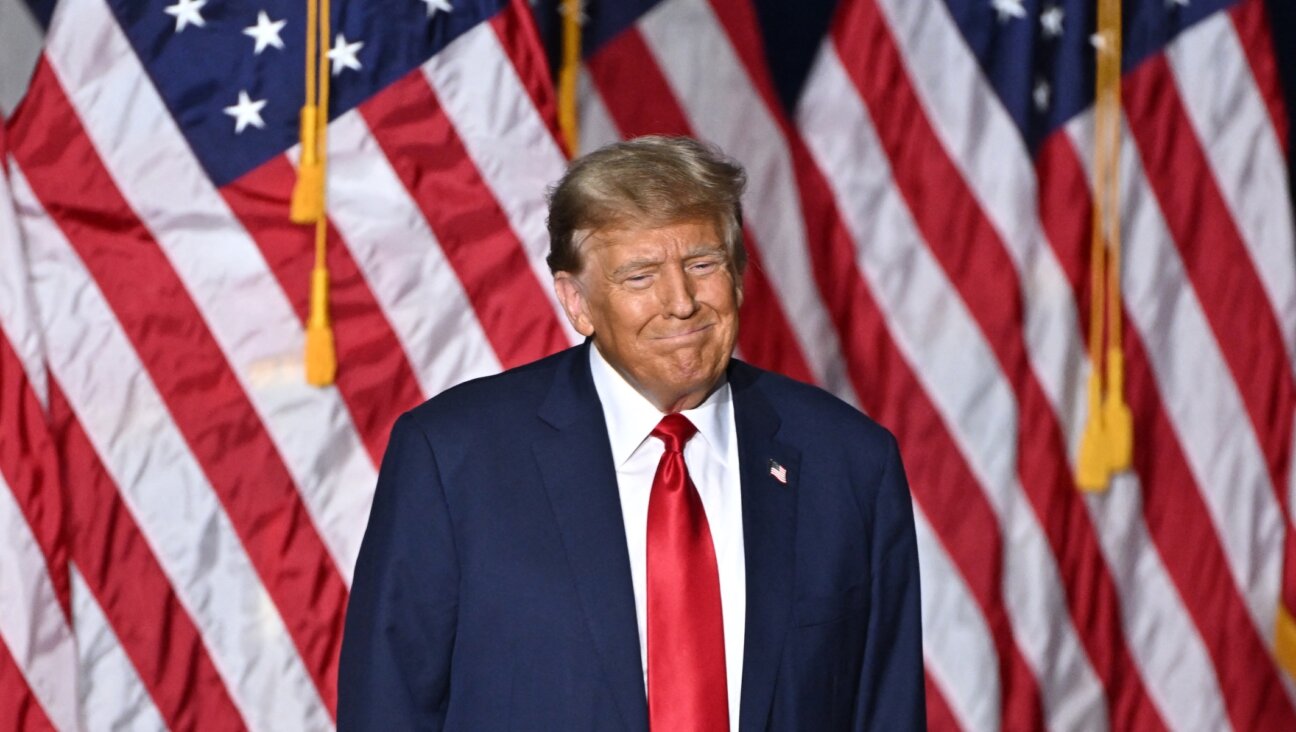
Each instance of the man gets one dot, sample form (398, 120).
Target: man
(639, 531)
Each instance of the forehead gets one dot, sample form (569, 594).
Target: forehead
(673, 239)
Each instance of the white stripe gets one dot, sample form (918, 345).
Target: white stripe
(596, 126)
(971, 394)
(20, 43)
(507, 140)
(400, 257)
(1173, 659)
(957, 649)
(242, 303)
(163, 486)
(684, 37)
(112, 695)
(1219, 92)
(992, 158)
(32, 625)
(1197, 391)
(17, 321)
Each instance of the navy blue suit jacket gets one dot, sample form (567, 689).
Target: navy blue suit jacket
(493, 589)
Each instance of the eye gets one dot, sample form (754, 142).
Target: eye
(638, 281)
(704, 266)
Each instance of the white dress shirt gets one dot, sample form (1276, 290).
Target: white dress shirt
(712, 459)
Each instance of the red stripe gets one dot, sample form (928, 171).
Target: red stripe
(374, 377)
(1251, 21)
(636, 92)
(200, 389)
(974, 258)
(940, 718)
(515, 27)
(1221, 271)
(17, 702)
(1176, 516)
(641, 103)
(29, 465)
(425, 151)
(121, 572)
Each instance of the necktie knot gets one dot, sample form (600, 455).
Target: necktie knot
(674, 430)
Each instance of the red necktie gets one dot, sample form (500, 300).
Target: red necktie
(686, 653)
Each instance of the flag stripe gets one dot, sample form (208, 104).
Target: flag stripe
(969, 391)
(959, 654)
(745, 129)
(939, 715)
(991, 157)
(1192, 545)
(962, 518)
(502, 133)
(112, 696)
(596, 126)
(378, 382)
(515, 29)
(28, 464)
(986, 283)
(1217, 265)
(34, 628)
(215, 264)
(1251, 21)
(199, 555)
(17, 702)
(114, 558)
(177, 350)
(1181, 544)
(417, 288)
(1238, 143)
(647, 105)
(1063, 182)
(411, 126)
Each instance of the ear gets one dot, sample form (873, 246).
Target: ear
(571, 294)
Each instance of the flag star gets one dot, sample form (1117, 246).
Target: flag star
(1180, 3)
(1042, 95)
(437, 5)
(1051, 21)
(343, 54)
(186, 13)
(1008, 9)
(265, 32)
(246, 112)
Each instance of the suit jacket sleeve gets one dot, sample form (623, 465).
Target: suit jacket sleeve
(394, 671)
(891, 692)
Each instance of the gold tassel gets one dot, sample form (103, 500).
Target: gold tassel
(568, 75)
(308, 200)
(1107, 444)
(321, 357)
(1092, 471)
(1285, 640)
(308, 193)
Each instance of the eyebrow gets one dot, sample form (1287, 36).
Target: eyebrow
(637, 264)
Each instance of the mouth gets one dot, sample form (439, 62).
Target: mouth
(686, 334)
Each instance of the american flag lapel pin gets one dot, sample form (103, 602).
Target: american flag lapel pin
(778, 471)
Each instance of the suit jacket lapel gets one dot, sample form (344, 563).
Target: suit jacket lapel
(769, 534)
(580, 477)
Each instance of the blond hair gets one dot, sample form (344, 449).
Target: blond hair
(646, 182)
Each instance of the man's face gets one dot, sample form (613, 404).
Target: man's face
(662, 306)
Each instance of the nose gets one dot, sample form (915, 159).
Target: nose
(678, 294)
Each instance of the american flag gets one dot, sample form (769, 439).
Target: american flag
(181, 512)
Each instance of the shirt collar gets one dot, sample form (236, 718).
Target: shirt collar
(631, 417)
